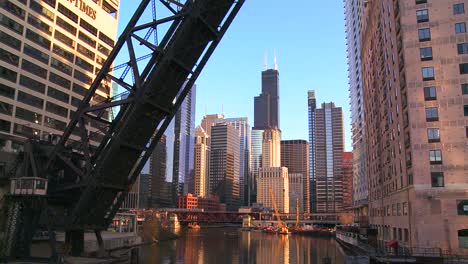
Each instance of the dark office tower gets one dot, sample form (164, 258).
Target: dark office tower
(184, 143)
(160, 187)
(312, 105)
(295, 157)
(224, 164)
(266, 105)
(329, 145)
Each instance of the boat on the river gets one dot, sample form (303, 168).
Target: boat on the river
(193, 226)
(312, 231)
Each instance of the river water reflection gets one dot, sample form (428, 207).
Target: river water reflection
(231, 245)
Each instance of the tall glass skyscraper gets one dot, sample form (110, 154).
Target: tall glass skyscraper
(312, 106)
(243, 127)
(172, 162)
(256, 158)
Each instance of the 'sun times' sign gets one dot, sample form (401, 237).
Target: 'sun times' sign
(84, 8)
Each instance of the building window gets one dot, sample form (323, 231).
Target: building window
(56, 94)
(11, 24)
(36, 54)
(88, 27)
(462, 207)
(424, 34)
(422, 15)
(463, 238)
(54, 123)
(462, 48)
(32, 84)
(430, 93)
(67, 26)
(465, 110)
(37, 23)
(433, 135)
(6, 109)
(432, 114)
(41, 10)
(79, 89)
(435, 156)
(437, 179)
(405, 208)
(106, 39)
(9, 57)
(5, 127)
(68, 13)
(10, 41)
(460, 27)
(64, 39)
(61, 66)
(464, 88)
(426, 53)
(81, 49)
(103, 50)
(34, 69)
(428, 73)
(59, 80)
(464, 68)
(7, 91)
(63, 53)
(38, 39)
(56, 109)
(458, 9)
(30, 100)
(13, 9)
(88, 40)
(28, 115)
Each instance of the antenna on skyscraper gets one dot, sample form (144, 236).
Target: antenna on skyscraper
(265, 60)
(222, 110)
(276, 62)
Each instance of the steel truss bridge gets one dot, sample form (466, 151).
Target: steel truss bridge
(212, 217)
(91, 167)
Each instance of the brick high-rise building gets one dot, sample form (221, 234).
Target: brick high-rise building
(295, 157)
(414, 83)
(224, 164)
(329, 144)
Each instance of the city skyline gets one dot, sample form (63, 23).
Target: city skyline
(326, 75)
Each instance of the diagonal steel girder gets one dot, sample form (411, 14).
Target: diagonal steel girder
(159, 83)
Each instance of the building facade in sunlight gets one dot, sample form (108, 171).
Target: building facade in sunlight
(354, 11)
(241, 124)
(329, 144)
(201, 166)
(224, 165)
(50, 53)
(415, 92)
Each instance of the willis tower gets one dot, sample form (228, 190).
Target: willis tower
(266, 105)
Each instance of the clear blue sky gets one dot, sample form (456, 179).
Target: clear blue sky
(310, 44)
